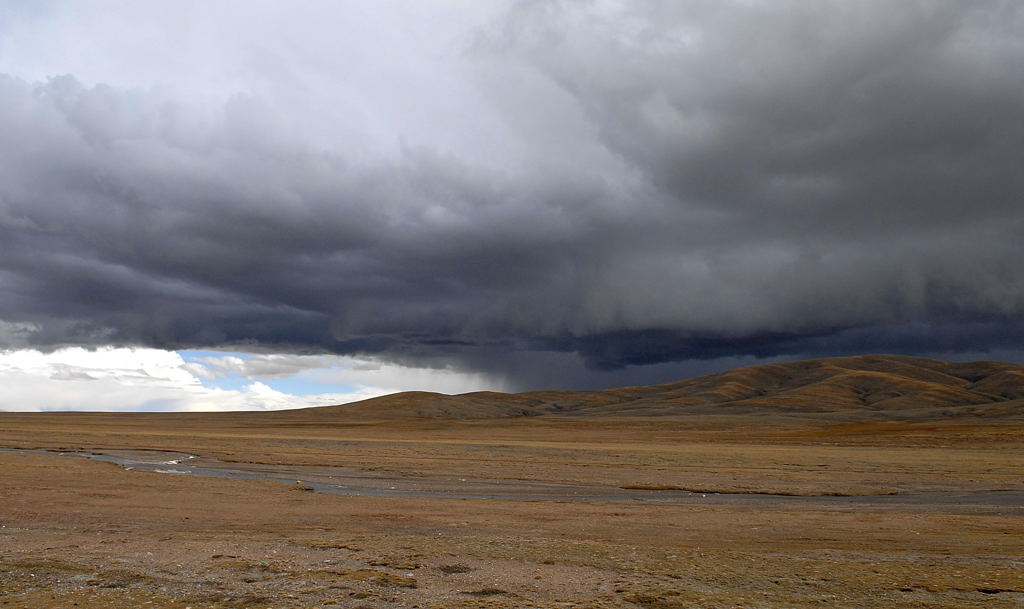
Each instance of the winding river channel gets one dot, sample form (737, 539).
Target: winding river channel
(360, 482)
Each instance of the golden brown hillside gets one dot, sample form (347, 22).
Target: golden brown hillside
(867, 387)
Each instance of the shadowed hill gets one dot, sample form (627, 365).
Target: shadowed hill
(868, 387)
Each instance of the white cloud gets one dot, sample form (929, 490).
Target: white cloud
(261, 366)
(136, 379)
(123, 379)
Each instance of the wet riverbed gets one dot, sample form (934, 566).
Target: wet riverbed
(360, 482)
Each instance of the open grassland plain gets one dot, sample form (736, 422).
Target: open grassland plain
(91, 533)
(737, 509)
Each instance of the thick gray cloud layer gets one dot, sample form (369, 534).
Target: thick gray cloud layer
(636, 183)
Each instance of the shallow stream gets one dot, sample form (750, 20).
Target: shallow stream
(359, 482)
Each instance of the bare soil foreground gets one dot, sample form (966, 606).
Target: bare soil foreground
(761, 506)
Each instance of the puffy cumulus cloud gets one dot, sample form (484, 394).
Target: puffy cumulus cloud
(115, 379)
(620, 183)
(261, 366)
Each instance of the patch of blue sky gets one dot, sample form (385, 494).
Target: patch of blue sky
(194, 355)
(232, 381)
(299, 385)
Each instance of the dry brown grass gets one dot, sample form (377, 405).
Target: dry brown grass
(89, 535)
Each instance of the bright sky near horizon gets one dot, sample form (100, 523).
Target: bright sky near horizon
(145, 379)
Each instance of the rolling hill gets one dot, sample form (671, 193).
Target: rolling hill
(859, 388)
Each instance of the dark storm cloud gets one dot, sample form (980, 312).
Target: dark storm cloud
(680, 181)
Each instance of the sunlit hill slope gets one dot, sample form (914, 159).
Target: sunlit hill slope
(869, 387)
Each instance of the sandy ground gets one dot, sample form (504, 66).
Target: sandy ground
(78, 533)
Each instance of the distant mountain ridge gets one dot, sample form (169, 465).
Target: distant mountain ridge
(867, 387)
